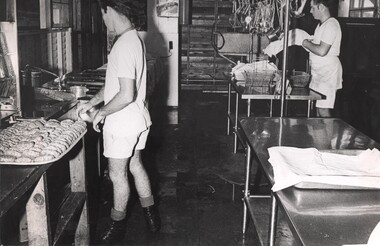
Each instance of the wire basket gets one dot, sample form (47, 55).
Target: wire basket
(299, 79)
(259, 81)
(259, 78)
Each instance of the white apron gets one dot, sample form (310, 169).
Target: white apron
(326, 74)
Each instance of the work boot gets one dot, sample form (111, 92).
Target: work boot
(152, 218)
(114, 233)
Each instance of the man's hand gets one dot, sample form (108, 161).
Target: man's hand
(98, 119)
(306, 43)
(82, 108)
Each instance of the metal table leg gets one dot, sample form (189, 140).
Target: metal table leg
(229, 109)
(249, 107)
(271, 108)
(246, 188)
(236, 123)
(273, 222)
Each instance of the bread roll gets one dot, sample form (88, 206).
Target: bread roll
(31, 153)
(43, 158)
(23, 145)
(7, 158)
(52, 152)
(24, 160)
(12, 153)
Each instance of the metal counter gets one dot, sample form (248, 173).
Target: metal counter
(247, 92)
(315, 216)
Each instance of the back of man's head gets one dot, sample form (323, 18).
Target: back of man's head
(129, 8)
(332, 5)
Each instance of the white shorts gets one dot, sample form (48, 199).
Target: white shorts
(121, 147)
(328, 102)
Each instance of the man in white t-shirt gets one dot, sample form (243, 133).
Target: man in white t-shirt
(126, 118)
(324, 48)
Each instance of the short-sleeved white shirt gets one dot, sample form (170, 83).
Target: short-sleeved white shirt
(127, 60)
(330, 33)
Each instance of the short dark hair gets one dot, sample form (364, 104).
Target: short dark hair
(332, 5)
(124, 7)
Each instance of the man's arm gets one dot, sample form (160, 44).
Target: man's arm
(95, 100)
(98, 98)
(123, 98)
(319, 49)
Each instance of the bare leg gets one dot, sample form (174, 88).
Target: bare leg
(144, 191)
(140, 175)
(118, 173)
(324, 112)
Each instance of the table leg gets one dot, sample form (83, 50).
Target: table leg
(271, 108)
(236, 123)
(273, 222)
(99, 156)
(246, 188)
(78, 184)
(308, 108)
(229, 109)
(37, 215)
(249, 107)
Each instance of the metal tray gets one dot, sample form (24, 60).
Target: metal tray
(49, 161)
(321, 186)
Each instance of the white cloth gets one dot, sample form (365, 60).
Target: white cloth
(127, 60)
(293, 165)
(296, 37)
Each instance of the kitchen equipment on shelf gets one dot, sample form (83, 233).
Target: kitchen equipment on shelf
(78, 91)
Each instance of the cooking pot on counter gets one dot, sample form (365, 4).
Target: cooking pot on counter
(78, 91)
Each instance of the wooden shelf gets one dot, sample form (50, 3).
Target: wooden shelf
(69, 214)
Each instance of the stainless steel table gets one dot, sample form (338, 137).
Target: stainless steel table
(315, 216)
(248, 92)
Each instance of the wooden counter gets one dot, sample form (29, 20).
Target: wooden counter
(32, 182)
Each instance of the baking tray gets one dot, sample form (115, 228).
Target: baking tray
(49, 161)
(322, 186)
(332, 201)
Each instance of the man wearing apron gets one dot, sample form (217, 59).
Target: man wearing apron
(324, 48)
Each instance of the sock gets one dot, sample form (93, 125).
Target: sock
(146, 201)
(118, 215)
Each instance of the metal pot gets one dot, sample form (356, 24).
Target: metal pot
(78, 91)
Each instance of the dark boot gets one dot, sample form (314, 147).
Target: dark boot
(114, 233)
(152, 218)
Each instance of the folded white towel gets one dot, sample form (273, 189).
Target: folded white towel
(294, 165)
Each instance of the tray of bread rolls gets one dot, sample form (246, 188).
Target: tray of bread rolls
(38, 142)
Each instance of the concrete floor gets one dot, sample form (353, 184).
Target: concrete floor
(197, 181)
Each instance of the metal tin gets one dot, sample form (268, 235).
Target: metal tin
(78, 91)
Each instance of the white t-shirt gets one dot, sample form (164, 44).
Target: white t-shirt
(127, 60)
(330, 33)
